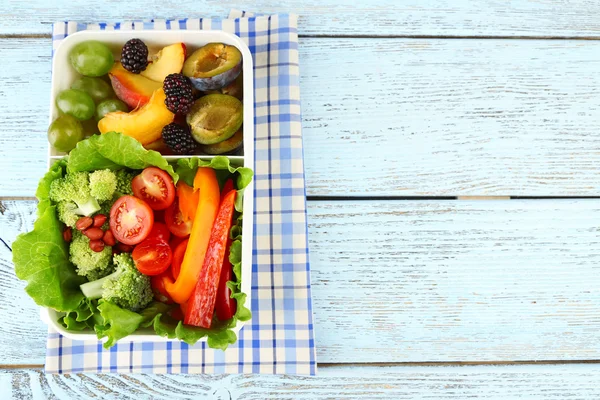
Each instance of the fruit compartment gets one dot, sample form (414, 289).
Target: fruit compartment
(63, 74)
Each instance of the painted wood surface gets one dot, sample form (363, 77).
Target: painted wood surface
(419, 281)
(488, 117)
(335, 17)
(577, 381)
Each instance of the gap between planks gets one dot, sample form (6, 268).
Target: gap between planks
(391, 364)
(358, 36)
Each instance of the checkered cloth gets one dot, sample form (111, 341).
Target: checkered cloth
(279, 338)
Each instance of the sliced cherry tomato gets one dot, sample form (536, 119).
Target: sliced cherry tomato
(175, 240)
(152, 257)
(178, 258)
(188, 200)
(159, 215)
(155, 187)
(160, 231)
(227, 187)
(178, 225)
(158, 287)
(131, 220)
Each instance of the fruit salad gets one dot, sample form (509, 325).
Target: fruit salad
(126, 239)
(170, 102)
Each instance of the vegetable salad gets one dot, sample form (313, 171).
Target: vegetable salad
(125, 240)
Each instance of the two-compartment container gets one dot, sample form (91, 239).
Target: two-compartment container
(63, 75)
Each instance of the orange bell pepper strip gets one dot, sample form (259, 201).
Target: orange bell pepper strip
(201, 304)
(188, 200)
(208, 204)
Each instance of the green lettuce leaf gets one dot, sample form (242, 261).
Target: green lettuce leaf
(118, 323)
(41, 258)
(113, 150)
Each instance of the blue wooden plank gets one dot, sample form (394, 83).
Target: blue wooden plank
(487, 382)
(334, 17)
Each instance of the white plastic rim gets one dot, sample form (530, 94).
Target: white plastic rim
(63, 75)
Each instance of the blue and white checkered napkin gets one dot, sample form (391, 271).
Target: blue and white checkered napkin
(279, 338)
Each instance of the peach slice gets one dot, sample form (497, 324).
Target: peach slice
(167, 61)
(144, 124)
(135, 90)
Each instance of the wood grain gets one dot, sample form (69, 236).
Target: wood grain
(417, 281)
(335, 17)
(578, 381)
(433, 117)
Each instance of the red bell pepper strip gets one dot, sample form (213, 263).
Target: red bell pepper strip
(201, 304)
(225, 306)
(227, 187)
(208, 205)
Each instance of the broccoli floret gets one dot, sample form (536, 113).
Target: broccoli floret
(93, 265)
(103, 184)
(67, 213)
(105, 207)
(126, 287)
(124, 178)
(75, 187)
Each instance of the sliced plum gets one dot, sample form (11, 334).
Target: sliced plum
(226, 146)
(235, 88)
(215, 118)
(213, 66)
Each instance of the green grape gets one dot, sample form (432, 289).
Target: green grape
(91, 58)
(64, 133)
(97, 88)
(108, 106)
(76, 103)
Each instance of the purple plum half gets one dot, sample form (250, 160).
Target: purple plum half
(213, 66)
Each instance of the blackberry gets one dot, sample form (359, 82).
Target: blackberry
(134, 56)
(179, 139)
(178, 90)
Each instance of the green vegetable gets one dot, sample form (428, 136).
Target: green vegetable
(75, 187)
(103, 184)
(118, 323)
(126, 287)
(41, 258)
(93, 265)
(124, 178)
(114, 151)
(67, 212)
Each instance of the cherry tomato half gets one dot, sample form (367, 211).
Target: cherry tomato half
(175, 240)
(160, 231)
(178, 225)
(152, 257)
(178, 258)
(155, 187)
(131, 220)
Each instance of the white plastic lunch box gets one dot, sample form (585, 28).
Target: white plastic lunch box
(63, 75)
